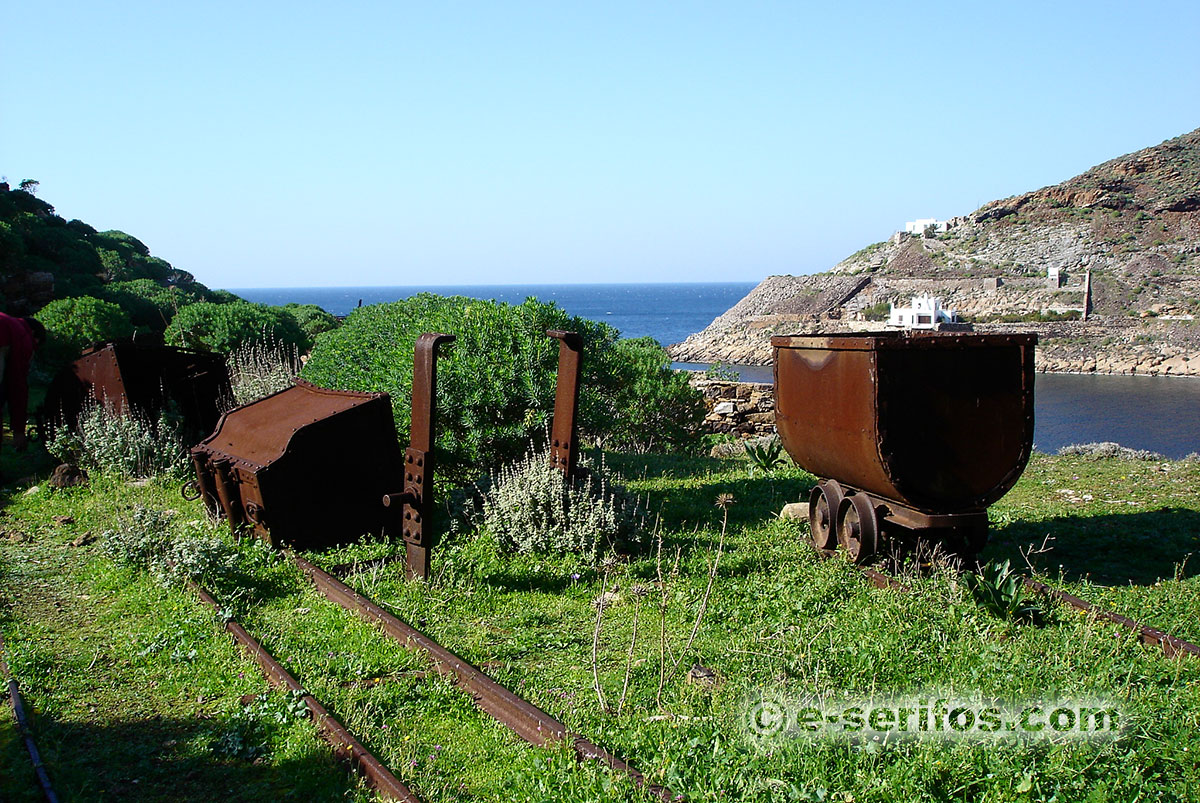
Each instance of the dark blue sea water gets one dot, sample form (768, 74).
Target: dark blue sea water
(666, 312)
(1142, 412)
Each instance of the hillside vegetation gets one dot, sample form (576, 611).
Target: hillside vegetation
(1132, 223)
(87, 286)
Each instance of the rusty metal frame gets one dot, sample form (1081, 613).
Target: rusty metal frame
(370, 767)
(564, 438)
(522, 717)
(415, 503)
(18, 707)
(1173, 647)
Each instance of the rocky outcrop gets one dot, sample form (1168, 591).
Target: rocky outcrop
(744, 409)
(1131, 224)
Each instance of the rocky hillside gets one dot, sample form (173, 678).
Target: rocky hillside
(1132, 224)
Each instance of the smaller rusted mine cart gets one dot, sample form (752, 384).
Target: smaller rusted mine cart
(912, 434)
(127, 375)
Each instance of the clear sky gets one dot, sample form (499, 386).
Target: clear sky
(261, 144)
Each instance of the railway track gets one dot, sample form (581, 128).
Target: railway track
(524, 719)
(1172, 646)
(18, 707)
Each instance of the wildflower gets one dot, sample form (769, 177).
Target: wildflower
(724, 500)
(574, 576)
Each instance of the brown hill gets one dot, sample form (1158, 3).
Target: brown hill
(1132, 224)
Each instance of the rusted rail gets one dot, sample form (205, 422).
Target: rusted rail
(1173, 647)
(18, 707)
(376, 774)
(522, 717)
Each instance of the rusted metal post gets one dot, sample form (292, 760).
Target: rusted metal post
(416, 502)
(564, 441)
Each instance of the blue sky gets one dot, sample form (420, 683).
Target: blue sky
(306, 144)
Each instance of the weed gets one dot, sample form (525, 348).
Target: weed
(999, 590)
(127, 445)
(768, 455)
(532, 507)
(148, 540)
(261, 367)
(720, 372)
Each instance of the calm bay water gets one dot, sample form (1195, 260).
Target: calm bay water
(1142, 412)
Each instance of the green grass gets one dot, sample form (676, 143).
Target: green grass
(111, 682)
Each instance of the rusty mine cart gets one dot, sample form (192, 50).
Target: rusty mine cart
(911, 434)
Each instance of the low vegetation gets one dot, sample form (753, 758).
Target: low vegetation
(654, 654)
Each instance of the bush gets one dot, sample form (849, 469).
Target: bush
(877, 312)
(127, 445)
(531, 507)
(311, 319)
(646, 404)
(150, 305)
(223, 327)
(259, 368)
(496, 388)
(148, 539)
(73, 324)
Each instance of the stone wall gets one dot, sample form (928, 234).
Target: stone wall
(744, 409)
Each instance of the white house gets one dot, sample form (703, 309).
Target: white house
(925, 313)
(917, 227)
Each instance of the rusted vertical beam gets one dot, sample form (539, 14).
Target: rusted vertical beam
(416, 502)
(564, 442)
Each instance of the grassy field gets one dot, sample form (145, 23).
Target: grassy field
(138, 694)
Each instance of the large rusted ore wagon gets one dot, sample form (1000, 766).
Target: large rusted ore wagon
(306, 466)
(126, 375)
(910, 433)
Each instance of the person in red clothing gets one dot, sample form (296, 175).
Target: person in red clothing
(19, 337)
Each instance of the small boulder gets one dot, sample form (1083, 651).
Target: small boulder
(67, 475)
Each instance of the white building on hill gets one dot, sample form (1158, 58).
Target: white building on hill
(925, 313)
(917, 227)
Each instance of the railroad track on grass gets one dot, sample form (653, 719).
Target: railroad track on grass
(526, 720)
(1172, 646)
(18, 707)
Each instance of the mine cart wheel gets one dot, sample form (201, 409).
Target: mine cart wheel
(823, 505)
(858, 527)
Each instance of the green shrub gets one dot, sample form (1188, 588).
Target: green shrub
(149, 539)
(72, 324)
(223, 327)
(496, 385)
(877, 312)
(531, 507)
(150, 305)
(642, 404)
(311, 319)
(720, 372)
(125, 445)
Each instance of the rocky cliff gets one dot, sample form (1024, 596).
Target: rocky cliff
(1130, 225)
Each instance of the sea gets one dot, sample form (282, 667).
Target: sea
(1158, 414)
